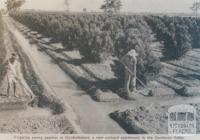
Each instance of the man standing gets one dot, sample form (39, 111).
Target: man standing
(130, 63)
(12, 74)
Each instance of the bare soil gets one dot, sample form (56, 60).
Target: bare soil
(42, 125)
(147, 119)
(143, 120)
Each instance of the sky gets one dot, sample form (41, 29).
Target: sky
(154, 6)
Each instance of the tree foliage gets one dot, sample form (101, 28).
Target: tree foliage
(67, 4)
(175, 33)
(14, 5)
(195, 8)
(111, 6)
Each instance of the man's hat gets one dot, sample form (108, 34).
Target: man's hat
(14, 55)
(132, 53)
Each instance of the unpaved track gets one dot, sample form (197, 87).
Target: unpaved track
(92, 117)
(9, 49)
(7, 117)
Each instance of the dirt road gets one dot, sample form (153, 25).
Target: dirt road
(15, 118)
(92, 117)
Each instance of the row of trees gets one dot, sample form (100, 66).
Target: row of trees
(179, 34)
(97, 36)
